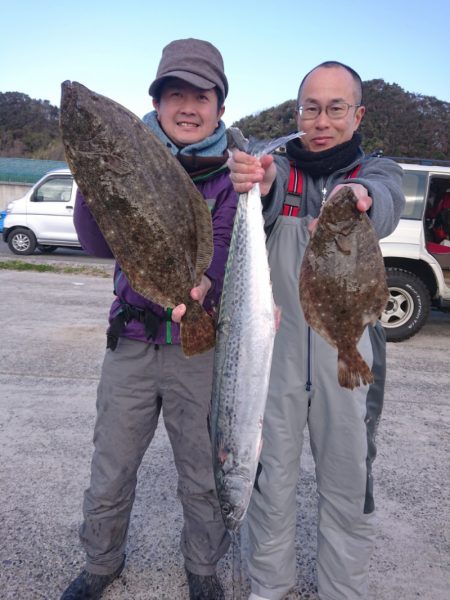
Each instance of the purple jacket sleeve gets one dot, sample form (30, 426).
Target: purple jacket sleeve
(222, 191)
(89, 234)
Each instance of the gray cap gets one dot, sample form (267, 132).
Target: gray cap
(195, 61)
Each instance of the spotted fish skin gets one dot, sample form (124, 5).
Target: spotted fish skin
(343, 282)
(152, 216)
(243, 356)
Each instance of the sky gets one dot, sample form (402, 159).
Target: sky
(114, 47)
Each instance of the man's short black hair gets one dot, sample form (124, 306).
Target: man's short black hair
(334, 63)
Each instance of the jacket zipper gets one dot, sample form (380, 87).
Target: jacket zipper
(323, 185)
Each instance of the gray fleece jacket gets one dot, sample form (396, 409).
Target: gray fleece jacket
(381, 176)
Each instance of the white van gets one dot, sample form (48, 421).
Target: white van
(43, 218)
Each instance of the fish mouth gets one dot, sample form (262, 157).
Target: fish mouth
(68, 93)
(67, 88)
(67, 98)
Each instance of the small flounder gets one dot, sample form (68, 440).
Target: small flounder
(343, 283)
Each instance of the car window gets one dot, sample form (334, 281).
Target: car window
(414, 186)
(57, 189)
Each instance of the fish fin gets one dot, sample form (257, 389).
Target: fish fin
(117, 164)
(208, 425)
(205, 247)
(198, 333)
(277, 316)
(112, 162)
(353, 370)
(259, 448)
(343, 243)
(369, 319)
(258, 473)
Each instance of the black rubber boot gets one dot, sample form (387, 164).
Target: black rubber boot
(204, 587)
(88, 586)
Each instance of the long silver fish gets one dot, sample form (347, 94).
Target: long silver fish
(154, 219)
(243, 355)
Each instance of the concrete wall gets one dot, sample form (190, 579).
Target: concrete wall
(12, 191)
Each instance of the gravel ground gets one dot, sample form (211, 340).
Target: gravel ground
(51, 350)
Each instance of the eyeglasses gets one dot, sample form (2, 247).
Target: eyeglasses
(335, 110)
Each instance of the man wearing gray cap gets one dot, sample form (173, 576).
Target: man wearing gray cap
(144, 369)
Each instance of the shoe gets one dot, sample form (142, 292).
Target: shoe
(204, 587)
(89, 586)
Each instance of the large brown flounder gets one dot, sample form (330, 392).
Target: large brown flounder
(342, 282)
(152, 216)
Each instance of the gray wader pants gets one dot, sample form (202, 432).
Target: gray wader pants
(137, 381)
(304, 391)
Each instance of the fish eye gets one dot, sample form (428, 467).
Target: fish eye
(227, 510)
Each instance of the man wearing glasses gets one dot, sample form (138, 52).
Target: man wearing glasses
(303, 388)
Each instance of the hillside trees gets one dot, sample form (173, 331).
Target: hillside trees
(397, 122)
(29, 128)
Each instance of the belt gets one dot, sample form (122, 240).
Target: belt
(127, 313)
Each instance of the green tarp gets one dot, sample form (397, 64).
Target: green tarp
(26, 170)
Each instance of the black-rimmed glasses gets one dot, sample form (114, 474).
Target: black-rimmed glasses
(335, 110)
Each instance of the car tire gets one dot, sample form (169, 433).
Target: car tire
(46, 249)
(22, 241)
(408, 306)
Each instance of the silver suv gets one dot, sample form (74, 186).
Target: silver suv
(417, 253)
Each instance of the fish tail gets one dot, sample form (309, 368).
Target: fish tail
(198, 332)
(353, 370)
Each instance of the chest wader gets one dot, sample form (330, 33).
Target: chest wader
(304, 391)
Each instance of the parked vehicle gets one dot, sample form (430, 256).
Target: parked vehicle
(417, 261)
(43, 218)
(2, 219)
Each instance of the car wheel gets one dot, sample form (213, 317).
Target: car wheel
(408, 306)
(45, 249)
(22, 241)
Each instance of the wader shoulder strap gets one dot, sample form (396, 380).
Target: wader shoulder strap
(354, 172)
(291, 206)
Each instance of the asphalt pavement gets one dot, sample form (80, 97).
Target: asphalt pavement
(69, 255)
(52, 345)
